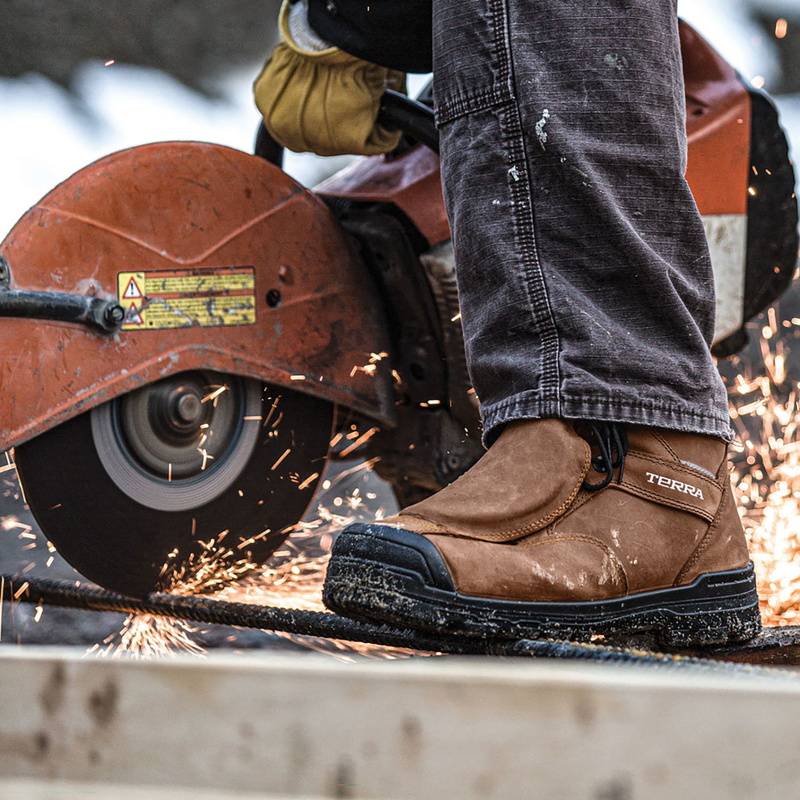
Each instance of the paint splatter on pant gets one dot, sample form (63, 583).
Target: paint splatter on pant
(584, 274)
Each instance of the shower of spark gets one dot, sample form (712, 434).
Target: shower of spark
(145, 636)
(765, 411)
(291, 579)
(764, 392)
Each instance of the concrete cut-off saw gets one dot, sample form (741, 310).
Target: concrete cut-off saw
(186, 327)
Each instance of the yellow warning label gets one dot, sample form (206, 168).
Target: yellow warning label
(184, 297)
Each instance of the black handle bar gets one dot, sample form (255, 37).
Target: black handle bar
(396, 111)
(411, 117)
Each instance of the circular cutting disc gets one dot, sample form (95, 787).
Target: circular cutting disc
(132, 493)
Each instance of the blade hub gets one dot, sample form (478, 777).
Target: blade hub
(180, 441)
(189, 409)
(176, 414)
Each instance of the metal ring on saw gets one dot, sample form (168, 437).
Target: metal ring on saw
(179, 443)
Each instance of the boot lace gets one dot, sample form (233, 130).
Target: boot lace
(612, 439)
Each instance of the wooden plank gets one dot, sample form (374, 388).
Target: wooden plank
(31, 789)
(418, 728)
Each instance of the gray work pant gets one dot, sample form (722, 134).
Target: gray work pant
(584, 275)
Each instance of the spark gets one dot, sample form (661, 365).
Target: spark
(11, 522)
(214, 396)
(308, 481)
(293, 578)
(781, 28)
(110, 62)
(766, 472)
(145, 636)
(297, 377)
(37, 615)
(456, 318)
(371, 366)
(362, 439)
(22, 589)
(271, 411)
(275, 465)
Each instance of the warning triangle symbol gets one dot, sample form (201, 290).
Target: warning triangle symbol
(133, 317)
(132, 292)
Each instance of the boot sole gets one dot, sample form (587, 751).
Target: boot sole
(384, 574)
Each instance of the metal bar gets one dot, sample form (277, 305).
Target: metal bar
(107, 315)
(207, 610)
(103, 313)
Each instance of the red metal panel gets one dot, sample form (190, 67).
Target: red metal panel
(179, 205)
(718, 127)
(411, 181)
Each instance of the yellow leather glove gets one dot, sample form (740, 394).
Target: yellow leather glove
(323, 100)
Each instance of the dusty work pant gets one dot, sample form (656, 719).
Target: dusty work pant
(584, 274)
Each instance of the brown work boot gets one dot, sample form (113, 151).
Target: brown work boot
(564, 530)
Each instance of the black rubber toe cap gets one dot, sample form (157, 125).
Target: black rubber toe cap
(394, 547)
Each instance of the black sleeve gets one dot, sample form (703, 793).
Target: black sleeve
(392, 33)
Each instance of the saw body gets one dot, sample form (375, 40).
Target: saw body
(181, 320)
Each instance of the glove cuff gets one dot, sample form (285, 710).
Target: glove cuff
(299, 35)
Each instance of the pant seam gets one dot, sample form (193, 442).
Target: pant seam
(524, 215)
(458, 105)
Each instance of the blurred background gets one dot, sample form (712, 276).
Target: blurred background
(82, 78)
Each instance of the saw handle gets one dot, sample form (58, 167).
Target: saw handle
(413, 118)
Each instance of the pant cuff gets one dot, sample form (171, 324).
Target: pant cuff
(642, 411)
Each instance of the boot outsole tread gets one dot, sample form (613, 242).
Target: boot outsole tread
(397, 588)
